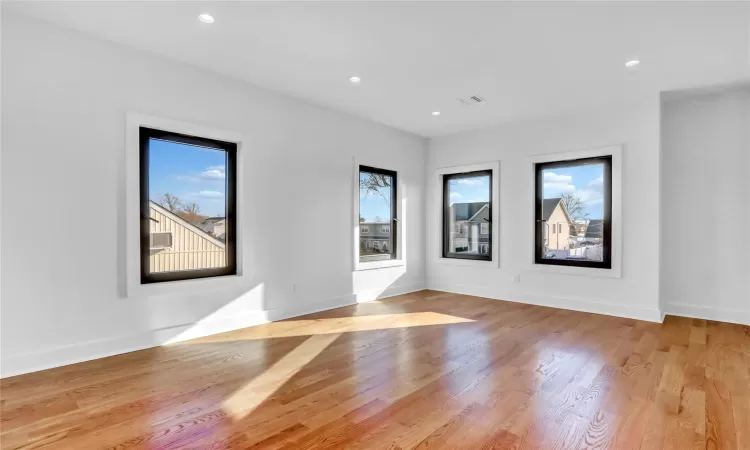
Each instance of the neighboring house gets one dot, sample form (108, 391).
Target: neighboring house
(178, 245)
(470, 228)
(580, 228)
(220, 230)
(557, 224)
(595, 231)
(374, 237)
(214, 225)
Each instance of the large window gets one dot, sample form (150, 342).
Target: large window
(574, 212)
(187, 205)
(467, 215)
(377, 214)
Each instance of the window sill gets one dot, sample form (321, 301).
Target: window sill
(371, 265)
(614, 272)
(467, 262)
(185, 286)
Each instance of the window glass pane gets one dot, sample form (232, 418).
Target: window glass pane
(469, 222)
(572, 212)
(187, 206)
(376, 208)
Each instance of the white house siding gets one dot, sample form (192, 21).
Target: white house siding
(190, 249)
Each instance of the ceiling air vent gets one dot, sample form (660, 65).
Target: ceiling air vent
(473, 100)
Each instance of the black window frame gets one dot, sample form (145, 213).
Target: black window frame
(230, 243)
(393, 253)
(539, 169)
(446, 213)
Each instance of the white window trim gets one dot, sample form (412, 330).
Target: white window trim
(616, 271)
(400, 223)
(438, 214)
(132, 274)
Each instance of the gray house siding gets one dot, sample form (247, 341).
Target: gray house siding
(466, 231)
(375, 237)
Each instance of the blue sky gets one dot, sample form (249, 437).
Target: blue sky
(193, 174)
(469, 190)
(375, 206)
(583, 181)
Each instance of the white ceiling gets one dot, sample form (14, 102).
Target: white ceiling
(526, 59)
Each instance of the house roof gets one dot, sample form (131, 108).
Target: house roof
(213, 219)
(186, 224)
(549, 205)
(486, 206)
(595, 228)
(466, 211)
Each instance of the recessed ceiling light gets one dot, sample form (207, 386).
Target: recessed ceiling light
(436, 113)
(632, 63)
(355, 80)
(206, 18)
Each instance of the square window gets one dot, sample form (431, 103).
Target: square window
(377, 209)
(570, 194)
(188, 206)
(467, 215)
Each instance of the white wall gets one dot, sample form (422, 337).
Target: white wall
(636, 127)
(706, 205)
(65, 98)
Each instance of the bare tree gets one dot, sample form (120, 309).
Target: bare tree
(171, 202)
(374, 182)
(191, 213)
(575, 207)
(191, 208)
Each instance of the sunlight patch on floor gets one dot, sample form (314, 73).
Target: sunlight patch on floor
(244, 401)
(335, 325)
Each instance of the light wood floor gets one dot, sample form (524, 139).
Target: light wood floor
(427, 370)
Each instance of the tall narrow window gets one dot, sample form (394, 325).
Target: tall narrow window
(377, 214)
(188, 206)
(467, 215)
(570, 196)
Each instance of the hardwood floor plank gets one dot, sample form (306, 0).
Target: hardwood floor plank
(426, 370)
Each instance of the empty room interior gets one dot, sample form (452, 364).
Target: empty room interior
(375, 225)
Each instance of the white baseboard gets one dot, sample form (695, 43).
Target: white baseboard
(709, 313)
(575, 304)
(62, 356)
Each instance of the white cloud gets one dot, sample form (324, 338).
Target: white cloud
(471, 181)
(214, 173)
(556, 185)
(210, 194)
(553, 177)
(456, 195)
(593, 193)
(558, 189)
(211, 173)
